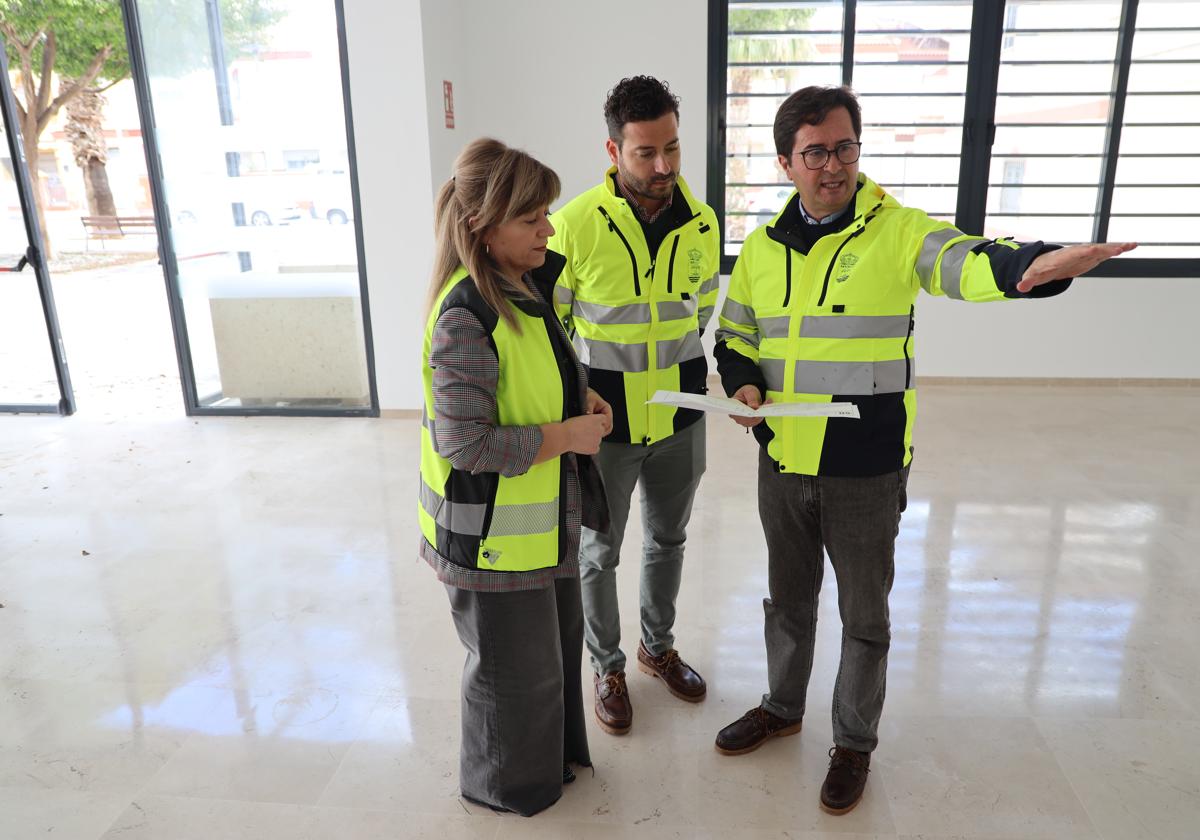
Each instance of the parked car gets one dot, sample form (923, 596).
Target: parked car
(254, 215)
(331, 198)
(267, 200)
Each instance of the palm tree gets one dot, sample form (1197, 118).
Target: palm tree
(83, 42)
(746, 50)
(85, 130)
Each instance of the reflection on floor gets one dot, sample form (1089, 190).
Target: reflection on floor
(217, 628)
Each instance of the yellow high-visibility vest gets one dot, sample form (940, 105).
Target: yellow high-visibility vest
(490, 521)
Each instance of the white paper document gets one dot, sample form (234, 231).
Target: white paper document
(724, 405)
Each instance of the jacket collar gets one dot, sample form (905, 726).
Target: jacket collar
(869, 199)
(544, 278)
(683, 202)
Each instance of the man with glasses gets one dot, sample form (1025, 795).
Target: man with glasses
(821, 309)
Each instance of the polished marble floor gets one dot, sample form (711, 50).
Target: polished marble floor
(217, 629)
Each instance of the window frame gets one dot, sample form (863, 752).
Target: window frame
(979, 126)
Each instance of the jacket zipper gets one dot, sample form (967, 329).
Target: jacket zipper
(829, 270)
(671, 265)
(493, 489)
(907, 358)
(612, 226)
(787, 290)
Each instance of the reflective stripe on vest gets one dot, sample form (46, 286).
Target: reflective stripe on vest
(739, 313)
(774, 327)
(725, 333)
(609, 355)
(676, 310)
(667, 353)
(840, 378)
(630, 313)
(458, 517)
(930, 249)
(514, 520)
(635, 358)
(952, 261)
(852, 326)
(507, 520)
(634, 313)
(952, 267)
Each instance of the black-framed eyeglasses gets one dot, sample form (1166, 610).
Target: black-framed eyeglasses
(816, 158)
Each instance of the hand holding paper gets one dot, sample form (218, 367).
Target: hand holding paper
(723, 405)
(751, 396)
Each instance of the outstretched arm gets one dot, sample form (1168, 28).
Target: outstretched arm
(1070, 262)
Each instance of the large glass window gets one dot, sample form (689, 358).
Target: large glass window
(910, 71)
(1156, 192)
(250, 130)
(26, 366)
(773, 49)
(1053, 102)
(1067, 122)
(33, 373)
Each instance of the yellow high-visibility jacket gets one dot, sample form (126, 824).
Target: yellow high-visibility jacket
(811, 319)
(636, 317)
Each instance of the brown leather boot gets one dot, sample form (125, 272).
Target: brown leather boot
(614, 712)
(847, 777)
(679, 677)
(751, 731)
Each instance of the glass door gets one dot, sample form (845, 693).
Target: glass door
(247, 133)
(33, 364)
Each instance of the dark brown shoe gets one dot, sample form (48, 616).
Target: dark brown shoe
(751, 731)
(845, 781)
(680, 678)
(614, 712)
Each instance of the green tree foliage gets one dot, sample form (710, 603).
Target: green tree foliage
(746, 47)
(83, 43)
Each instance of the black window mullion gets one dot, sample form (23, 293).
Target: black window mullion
(849, 14)
(718, 87)
(979, 114)
(1112, 139)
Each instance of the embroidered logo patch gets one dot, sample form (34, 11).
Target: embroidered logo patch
(491, 556)
(846, 263)
(694, 258)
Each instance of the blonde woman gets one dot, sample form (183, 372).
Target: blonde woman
(507, 478)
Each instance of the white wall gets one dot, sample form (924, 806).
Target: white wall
(387, 82)
(442, 30)
(1102, 327)
(535, 74)
(542, 70)
(529, 73)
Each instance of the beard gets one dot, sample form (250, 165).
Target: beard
(658, 188)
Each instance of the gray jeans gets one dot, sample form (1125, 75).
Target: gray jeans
(669, 473)
(522, 697)
(856, 521)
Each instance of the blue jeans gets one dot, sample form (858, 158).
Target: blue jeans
(856, 521)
